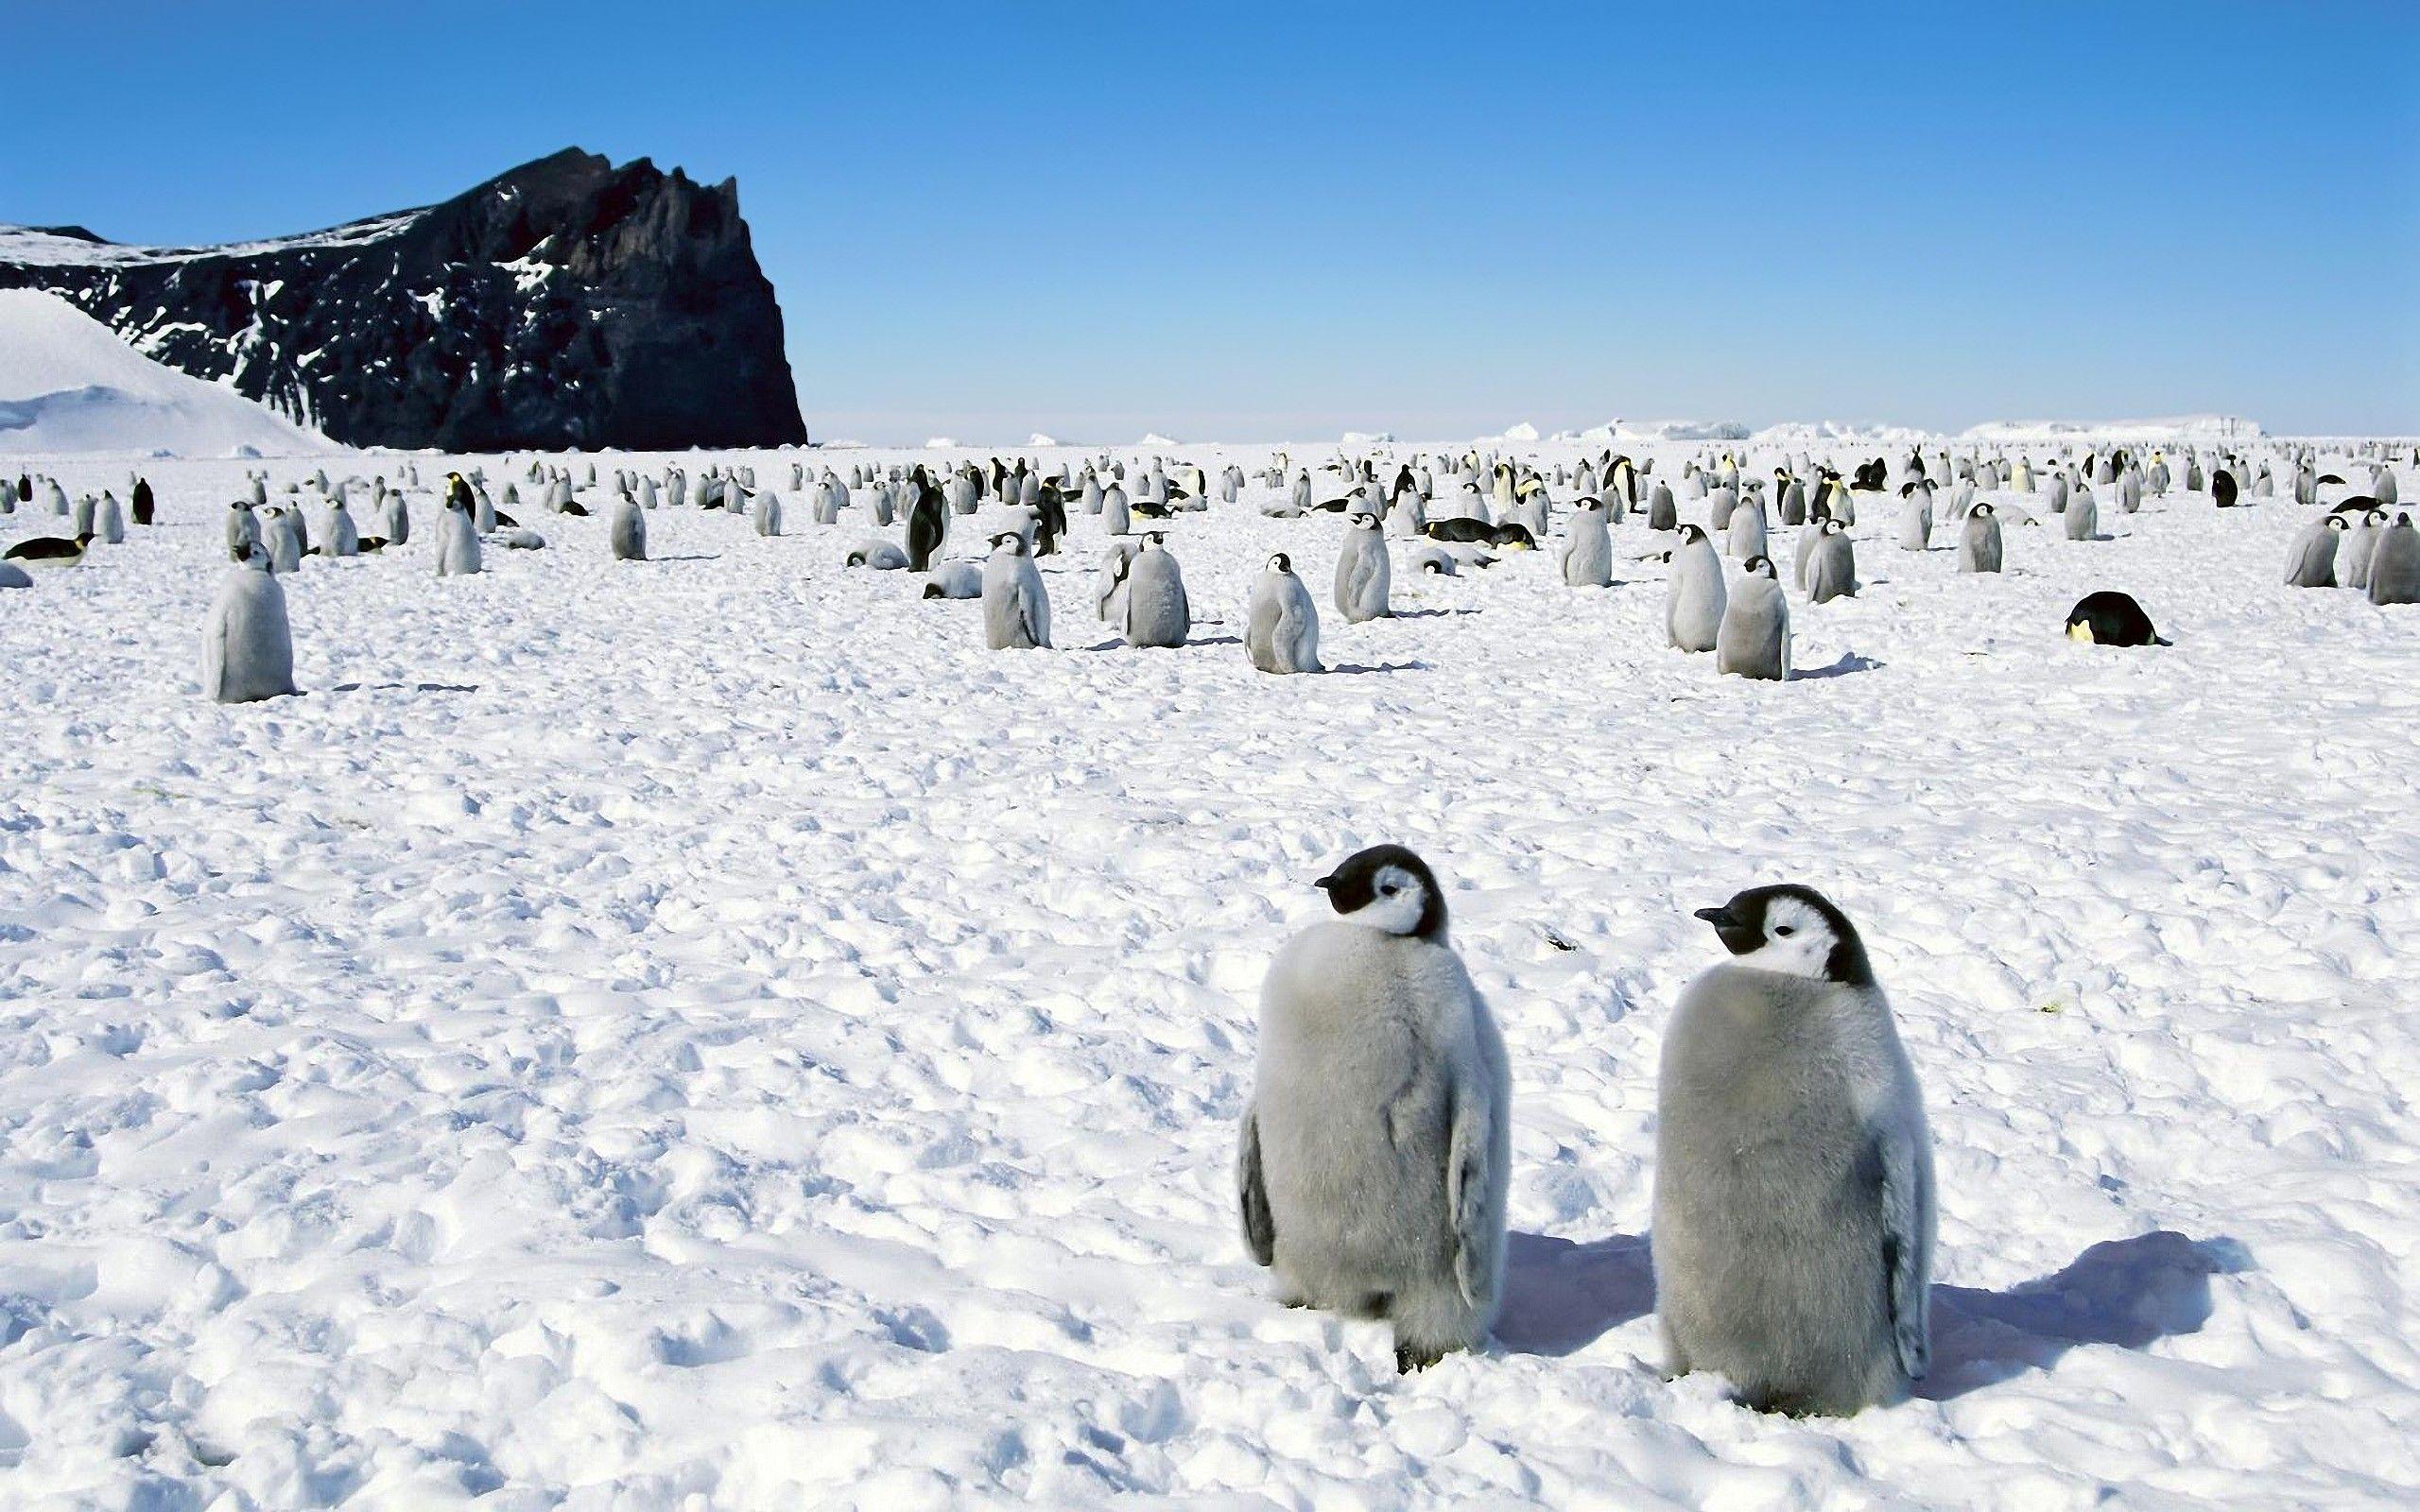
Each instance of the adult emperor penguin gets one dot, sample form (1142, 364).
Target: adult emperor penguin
(1694, 597)
(1831, 571)
(458, 543)
(1156, 611)
(247, 646)
(142, 502)
(1979, 541)
(1016, 611)
(1377, 1150)
(1282, 629)
(928, 523)
(1753, 639)
(2111, 618)
(1362, 571)
(1587, 546)
(1793, 1227)
(2394, 563)
(627, 531)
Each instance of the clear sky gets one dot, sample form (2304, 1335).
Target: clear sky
(1238, 222)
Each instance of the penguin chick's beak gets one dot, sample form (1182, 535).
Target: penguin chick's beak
(1737, 937)
(1718, 918)
(1324, 882)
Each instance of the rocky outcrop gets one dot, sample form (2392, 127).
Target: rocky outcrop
(566, 303)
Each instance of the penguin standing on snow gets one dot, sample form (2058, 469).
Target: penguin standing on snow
(1754, 638)
(340, 536)
(247, 646)
(1282, 629)
(928, 524)
(1979, 541)
(142, 501)
(2111, 618)
(1376, 1152)
(1695, 598)
(243, 529)
(1587, 546)
(2082, 518)
(1831, 570)
(1793, 1208)
(1915, 519)
(1156, 611)
(458, 544)
(1016, 609)
(765, 513)
(2394, 563)
(1363, 570)
(2312, 561)
(1109, 584)
(2353, 558)
(626, 532)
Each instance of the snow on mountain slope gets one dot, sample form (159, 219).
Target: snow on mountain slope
(68, 384)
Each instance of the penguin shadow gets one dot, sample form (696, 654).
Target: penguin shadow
(2130, 1293)
(405, 687)
(1426, 613)
(1849, 663)
(1561, 1295)
(1356, 669)
(695, 556)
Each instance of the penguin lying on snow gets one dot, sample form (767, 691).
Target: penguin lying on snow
(877, 553)
(1376, 1152)
(955, 579)
(2111, 618)
(49, 551)
(1794, 1208)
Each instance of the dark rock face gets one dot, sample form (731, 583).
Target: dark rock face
(566, 303)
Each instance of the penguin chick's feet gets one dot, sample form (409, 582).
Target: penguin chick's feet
(1408, 1359)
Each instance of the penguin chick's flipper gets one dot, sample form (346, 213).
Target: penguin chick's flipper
(1475, 1206)
(1904, 1198)
(1260, 1229)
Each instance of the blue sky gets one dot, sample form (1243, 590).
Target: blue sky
(1238, 222)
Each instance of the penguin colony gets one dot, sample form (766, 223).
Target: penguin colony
(1794, 1188)
(1445, 515)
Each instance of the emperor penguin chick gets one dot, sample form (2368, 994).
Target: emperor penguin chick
(1793, 1210)
(1377, 1150)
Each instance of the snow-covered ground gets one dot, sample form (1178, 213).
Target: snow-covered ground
(707, 1029)
(68, 384)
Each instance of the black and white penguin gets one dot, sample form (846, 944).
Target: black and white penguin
(2111, 618)
(928, 523)
(49, 551)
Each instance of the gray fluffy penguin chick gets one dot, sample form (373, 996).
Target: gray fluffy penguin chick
(626, 533)
(1915, 521)
(2082, 516)
(1426, 556)
(243, 529)
(1363, 570)
(1116, 516)
(283, 538)
(955, 579)
(1793, 1219)
(877, 555)
(2311, 563)
(1753, 639)
(1376, 1153)
(395, 519)
(1282, 628)
(1831, 571)
(1016, 611)
(338, 535)
(458, 544)
(2395, 564)
(2353, 556)
(1979, 541)
(1587, 546)
(1109, 585)
(1157, 613)
(1747, 535)
(1694, 593)
(247, 646)
(765, 512)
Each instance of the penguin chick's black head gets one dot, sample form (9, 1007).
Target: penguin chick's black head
(1793, 929)
(1281, 564)
(1381, 880)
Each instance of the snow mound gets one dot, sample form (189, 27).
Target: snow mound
(67, 384)
(1830, 432)
(1523, 432)
(1155, 439)
(2174, 427)
(1037, 439)
(1367, 439)
(934, 443)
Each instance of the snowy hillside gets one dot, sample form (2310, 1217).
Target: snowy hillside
(68, 384)
(704, 1033)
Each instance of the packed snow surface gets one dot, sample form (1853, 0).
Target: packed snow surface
(68, 384)
(706, 1033)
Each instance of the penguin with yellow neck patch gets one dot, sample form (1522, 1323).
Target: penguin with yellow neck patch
(2111, 618)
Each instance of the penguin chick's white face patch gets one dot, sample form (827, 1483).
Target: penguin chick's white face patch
(1798, 942)
(1397, 899)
